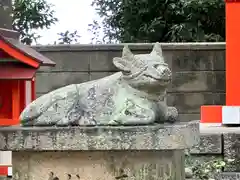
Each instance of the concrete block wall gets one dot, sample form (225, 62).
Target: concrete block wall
(198, 70)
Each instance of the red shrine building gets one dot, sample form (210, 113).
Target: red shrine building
(18, 66)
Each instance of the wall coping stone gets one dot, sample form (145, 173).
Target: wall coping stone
(132, 46)
(228, 176)
(153, 137)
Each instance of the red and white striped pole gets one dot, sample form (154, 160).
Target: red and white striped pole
(6, 171)
(6, 163)
(229, 113)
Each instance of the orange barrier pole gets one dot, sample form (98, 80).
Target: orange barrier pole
(214, 114)
(232, 53)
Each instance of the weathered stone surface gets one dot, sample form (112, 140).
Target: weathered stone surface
(198, 60)
(98, 75)
(198, 81)
(208, 144)
(190, 102)
(134, 96)
(181, 81)
(46, 82)
(192, 81)
(152, 137)
(99, 165)
(186, 117)
(206, 61)
(21, 165)
(228, 176)
(180, 84)
(179, 56)
(68, 61)
(183, 117)
(220, 81)
(232, 151)
(219, 99)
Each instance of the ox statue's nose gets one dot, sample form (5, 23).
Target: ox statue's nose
(160, 71)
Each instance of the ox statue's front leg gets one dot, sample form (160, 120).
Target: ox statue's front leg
(172, 114)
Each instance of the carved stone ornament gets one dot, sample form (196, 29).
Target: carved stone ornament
(134, 96)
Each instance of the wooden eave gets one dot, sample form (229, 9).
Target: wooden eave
(24, 53)
(16, 71)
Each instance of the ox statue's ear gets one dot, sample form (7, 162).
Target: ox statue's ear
(127, 54)
(157, 50)
(124, 62)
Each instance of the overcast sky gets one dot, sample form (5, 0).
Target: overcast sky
(72, 15)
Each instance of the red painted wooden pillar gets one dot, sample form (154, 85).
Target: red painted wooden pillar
(232, 53)
(214, 114)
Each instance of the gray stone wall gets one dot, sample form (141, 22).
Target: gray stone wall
(198, 70)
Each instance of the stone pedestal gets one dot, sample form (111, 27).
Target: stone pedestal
(98, 153)
(232, 151)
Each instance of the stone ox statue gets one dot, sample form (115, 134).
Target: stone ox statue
(134, 96)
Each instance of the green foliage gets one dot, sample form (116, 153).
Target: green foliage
(161, 20)
(68, 37)
(29, 15)
(95, 28)
(205, 170)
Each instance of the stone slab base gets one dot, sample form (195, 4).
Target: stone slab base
(99, 165)
(228, 176)
(154, 152)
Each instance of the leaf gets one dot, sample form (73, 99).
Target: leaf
(30, 15)
(160, 20)
(68, 37)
